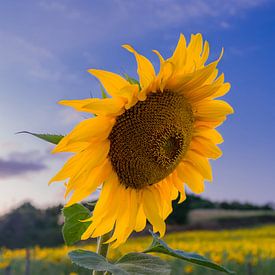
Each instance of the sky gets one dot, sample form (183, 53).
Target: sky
(47, 46)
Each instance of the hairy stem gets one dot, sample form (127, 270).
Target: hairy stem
(102, 249)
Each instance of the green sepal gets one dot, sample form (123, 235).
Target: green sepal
(160, 246)
(103, 92)
(129, 264)
(132, 80)
(73, 227)
(47, 137)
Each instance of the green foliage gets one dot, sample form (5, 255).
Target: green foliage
(243, 206)
(90, 260)
(179, 214)
(160, 246)
(47, 137)
(131, 80)
(197, 202)
(73, 226)
(129, 264)
(28, 226)
(181, 211)
(103, 92)
(140, 263)
(264, 266)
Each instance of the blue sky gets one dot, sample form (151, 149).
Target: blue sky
(47, 46)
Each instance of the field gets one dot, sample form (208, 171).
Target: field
(246, 251)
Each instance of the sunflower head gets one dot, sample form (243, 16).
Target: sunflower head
(146, 141)
(150, 139)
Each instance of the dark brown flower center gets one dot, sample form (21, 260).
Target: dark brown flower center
(150, 139)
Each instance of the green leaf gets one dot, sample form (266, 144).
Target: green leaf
(132, 80)
(73, 226)
(93, 261)
(48, 137)
(161, 247)
(140, 263)
(130, 264)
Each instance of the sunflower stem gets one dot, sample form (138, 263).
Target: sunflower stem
(102, 249)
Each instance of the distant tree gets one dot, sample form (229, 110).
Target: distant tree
(235, 205)
(27, 226)
(180, 213)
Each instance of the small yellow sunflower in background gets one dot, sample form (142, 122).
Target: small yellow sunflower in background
(146, 141)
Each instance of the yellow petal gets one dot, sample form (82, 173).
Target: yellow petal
(126, 228)
(83, 161)
(104, 218)
(145, 68)
(200, 163)
(194, 49)
(200, 76)
(223, 90)
(205, 53)
(166, 71)
(89, 184)
(187, 82)
(211, 109)
(182, 198)
(108, 189)
(130, 93)
(212, 77)
(123, 217)
(96, 154)
(179, 56)
(195, 46)
(164, 204)
(63, 146)
(161, 59)
(88, 130)
(164, 189)
(68, 168)
(151, 212)
(200, 93)
(105, 106)
(112, 82)
(108, 195)
(126, 220)
(140, 219)
(174, 192)
(211, 134)
(206, 125)
(180, 186)
(188, 174)
(78, 104)
(205, 147)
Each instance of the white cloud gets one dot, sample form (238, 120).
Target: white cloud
(22, 57)
(243, 51)
(54, 6)
(159, 13)
(100, 23)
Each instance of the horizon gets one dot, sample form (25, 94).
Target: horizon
(46, 48)
(44, 207)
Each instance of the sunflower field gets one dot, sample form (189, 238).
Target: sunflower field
(246, 251)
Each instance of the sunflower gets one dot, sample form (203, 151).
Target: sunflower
(146, 141)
